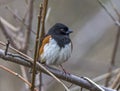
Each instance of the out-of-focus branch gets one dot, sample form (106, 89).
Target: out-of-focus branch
(67, 77)
(30, 18)
(112, 63)
(118, 87)
(10, 26)
(20, 19)
(6, 32)
(116, 40)
(16, 74)
(115, 9)
(107, 11)
(104, 76)
(116, 81)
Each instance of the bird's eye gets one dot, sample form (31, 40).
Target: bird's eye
(62, 31)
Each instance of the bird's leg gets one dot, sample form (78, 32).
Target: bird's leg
(64, 70)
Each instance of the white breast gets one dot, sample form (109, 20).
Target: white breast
(54, 55)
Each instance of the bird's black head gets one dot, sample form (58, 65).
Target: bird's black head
(59, 29)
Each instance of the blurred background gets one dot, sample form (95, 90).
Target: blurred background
(93, 38)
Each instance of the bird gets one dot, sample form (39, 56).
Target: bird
(56, 46)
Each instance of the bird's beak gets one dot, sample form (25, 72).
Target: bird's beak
(69, 31)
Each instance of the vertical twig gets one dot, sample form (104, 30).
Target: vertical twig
(39, 43)
(28, 32)
(115, 47)
(42, 33)
(36, 49)
(112, 63)
(39, 25)
(7, 46)
(45, 4)
(29, 25)
(35, 59)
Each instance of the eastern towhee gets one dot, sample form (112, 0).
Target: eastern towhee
(56, 45)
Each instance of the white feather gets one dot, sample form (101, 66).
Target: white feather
(54, 55)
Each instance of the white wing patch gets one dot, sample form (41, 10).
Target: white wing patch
(54, 55)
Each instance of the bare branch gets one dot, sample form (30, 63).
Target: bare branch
(20, 19)
(67, 77)
(31, 3)
(10, 26)
(104, 76)
(112, 63)
(45, 6)
(36, 52)
(116, 40)
(39, 42)
(115, 9)
(116, 81)
(4, 30)
(115, 21)
(30, 61)
(16, 74)
(42, 18)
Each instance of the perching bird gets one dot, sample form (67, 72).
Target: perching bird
(56, 46)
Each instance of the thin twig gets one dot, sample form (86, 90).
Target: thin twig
(39, 42)
(103, 5)
(4, 30)
(45, 6)
(19, 18)
(15, 74)
(7, 47)
(116, 81)
(39, 28)
(117, 39)
(13, 13)
(15, 50)
(93, 83)
(115, 46)
(35, 56)
(112, 63)
(118, 87)
(104, 76)
(10, 26)
(29, 24)
(114, 8)
(42, 32)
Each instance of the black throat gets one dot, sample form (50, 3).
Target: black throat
(62, 40)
